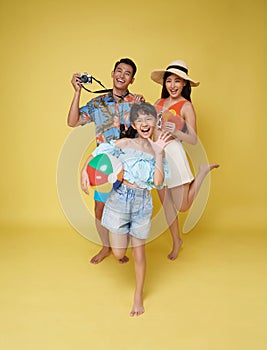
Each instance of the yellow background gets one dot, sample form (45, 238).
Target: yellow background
(50, 295)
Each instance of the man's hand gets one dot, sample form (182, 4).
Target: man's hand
(139, 98)
(76, 81)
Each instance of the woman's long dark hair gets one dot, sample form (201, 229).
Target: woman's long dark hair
(186, 92)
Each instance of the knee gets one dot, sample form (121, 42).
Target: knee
(119, 253)
(184, 208)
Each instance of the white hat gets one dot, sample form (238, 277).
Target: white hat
(177, 67)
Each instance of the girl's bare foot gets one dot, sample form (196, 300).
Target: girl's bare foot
(101, 255)
(138, 308)
(175, 250)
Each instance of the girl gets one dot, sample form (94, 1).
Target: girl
(128, 210)
(178, 117)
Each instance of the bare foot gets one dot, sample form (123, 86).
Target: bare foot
(212, 166)
(101, 255)
(123, 260)
(138, 308)
(175, 250)
(205, 168)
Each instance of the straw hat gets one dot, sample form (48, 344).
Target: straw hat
(177, 67)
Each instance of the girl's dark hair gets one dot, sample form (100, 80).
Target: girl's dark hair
(144, 108)
(186, 92)
(130, 133)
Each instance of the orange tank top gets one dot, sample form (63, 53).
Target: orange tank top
(171, 114)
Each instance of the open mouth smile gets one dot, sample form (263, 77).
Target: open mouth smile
(145, 130)
(121, 81)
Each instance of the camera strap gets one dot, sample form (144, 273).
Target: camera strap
(98, 91)
(103, 91)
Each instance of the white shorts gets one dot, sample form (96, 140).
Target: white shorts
(180, 172)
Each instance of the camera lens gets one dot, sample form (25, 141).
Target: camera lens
(84, 78)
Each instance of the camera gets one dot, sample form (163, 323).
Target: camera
(86, 78)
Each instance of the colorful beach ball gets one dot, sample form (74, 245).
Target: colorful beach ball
(105, 172)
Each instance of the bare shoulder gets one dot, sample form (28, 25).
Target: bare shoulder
(187, 105)
(158, 100)
(123, 143)
(187, 109)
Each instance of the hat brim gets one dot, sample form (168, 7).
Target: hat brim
(157, 76)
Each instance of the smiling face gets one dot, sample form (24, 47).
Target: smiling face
(122, 77)
(144, 125)
(174, 85)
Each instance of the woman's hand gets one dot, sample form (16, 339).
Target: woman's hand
(169, 127)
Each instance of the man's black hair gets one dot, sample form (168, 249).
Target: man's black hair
(127, 61)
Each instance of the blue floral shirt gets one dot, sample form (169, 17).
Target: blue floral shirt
(107, 114)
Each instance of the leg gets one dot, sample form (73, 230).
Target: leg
(119, 245)
(177, 242)
(103, 234)
(191, 190)
(138, 251)
(171, 215)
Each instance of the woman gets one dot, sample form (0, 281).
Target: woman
(177, 116)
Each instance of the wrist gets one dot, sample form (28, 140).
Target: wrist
(175, 133)
(159, 156)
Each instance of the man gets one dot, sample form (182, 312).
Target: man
(110, 113)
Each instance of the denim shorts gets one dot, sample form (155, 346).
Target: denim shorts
(128, 210)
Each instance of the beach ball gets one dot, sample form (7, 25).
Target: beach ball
(105, 172)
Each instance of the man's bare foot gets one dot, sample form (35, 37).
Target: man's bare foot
(123, 260)
(138, 308)
(101, 255)
(175, 250)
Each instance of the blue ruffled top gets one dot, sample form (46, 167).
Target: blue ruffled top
(138, 166)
